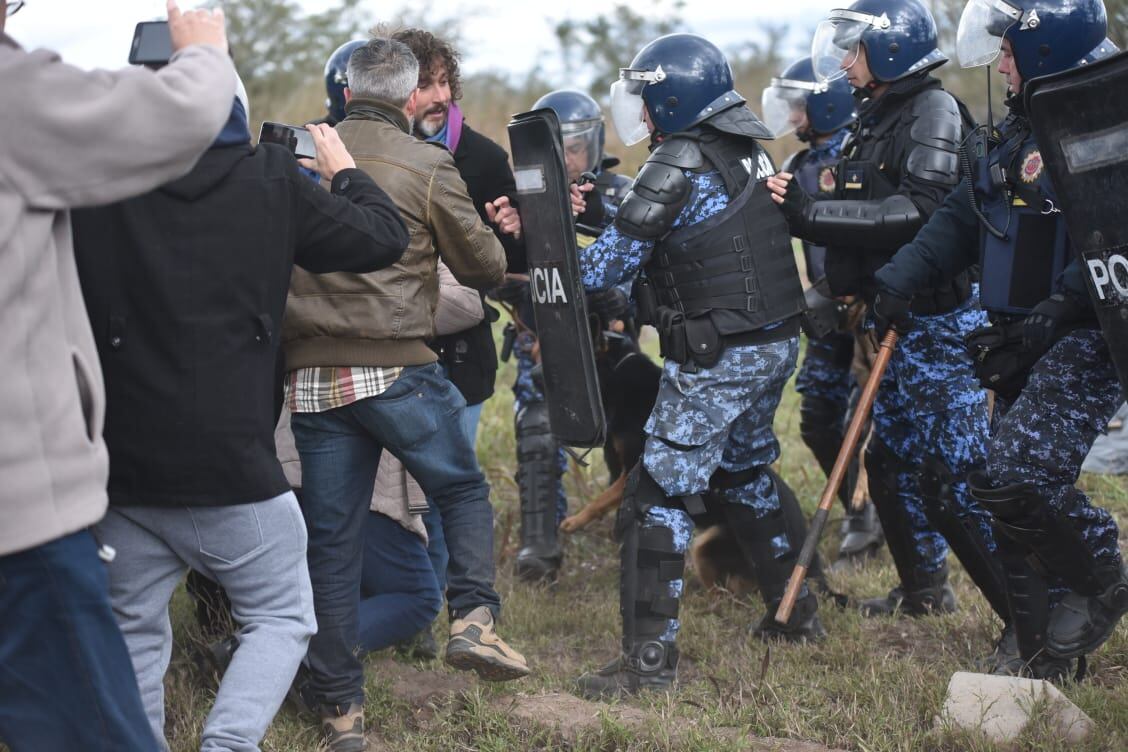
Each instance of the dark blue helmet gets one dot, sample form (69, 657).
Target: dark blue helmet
(681, 79)
(581, 125)
(899, 37)
(336, 78)
(1046, 36)
(827, 105)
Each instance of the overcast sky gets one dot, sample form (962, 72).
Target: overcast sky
(508, 36)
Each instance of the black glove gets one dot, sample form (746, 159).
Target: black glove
(892, 310)
(608, 304)
(797, 205)
(512, 291)
(1047, 321)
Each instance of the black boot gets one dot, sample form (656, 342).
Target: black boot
(538, 483)
(921, 592)
(649, 563)
(1086, 617)
(862, 537)
(771, 545)
(963, 535)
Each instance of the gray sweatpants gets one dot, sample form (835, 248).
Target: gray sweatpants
(257, 552)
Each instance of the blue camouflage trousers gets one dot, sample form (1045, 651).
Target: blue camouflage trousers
(1044, 436)
(931, 404)
(525, 391)
(719, 417)
(825, 372)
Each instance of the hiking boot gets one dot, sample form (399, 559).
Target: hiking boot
(1080, 624)
(933, 600)
(474, 646)
(344, 732)
(649, 666)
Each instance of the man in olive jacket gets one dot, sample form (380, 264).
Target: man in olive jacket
(70, 139)
(362, 379)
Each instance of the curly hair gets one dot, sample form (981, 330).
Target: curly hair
(430, 49)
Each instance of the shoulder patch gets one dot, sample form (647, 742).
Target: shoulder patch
(826, 180)
(1031, 168)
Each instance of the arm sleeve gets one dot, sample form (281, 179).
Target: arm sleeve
(459, 307)
(471, 250)
(75, 138)
(944, 247)
(614, 258)
(353, 227)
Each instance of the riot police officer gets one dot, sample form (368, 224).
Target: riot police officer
(1044, 355)
(820, 113)
(540, 460)
(720, 285)
(930, 416)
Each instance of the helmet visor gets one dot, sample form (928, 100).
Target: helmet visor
(581, 147)
(835, 47)
(626, 111)
(980, 35)
(784, 105)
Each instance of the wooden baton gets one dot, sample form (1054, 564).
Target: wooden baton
(837, 475)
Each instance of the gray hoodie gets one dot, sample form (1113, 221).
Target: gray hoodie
(71, 138)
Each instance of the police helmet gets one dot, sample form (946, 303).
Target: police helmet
(336, 78)
(827, 105)
(681, 80)
(581, 123)
(1046, 36)
(899, 37)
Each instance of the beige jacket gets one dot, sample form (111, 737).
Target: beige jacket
(396, 493)
(70, 138)
(385, 318)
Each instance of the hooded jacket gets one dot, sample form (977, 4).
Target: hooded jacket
(73, 138)
(186, 287)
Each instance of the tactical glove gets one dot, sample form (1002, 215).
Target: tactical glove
(1049, 320)
(797, 205)
(892, 310)
(608, 304)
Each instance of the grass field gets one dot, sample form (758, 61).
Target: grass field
(872, 685)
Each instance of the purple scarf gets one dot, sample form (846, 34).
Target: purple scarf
(451, 133)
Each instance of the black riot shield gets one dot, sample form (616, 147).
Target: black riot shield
(1080, 121)
(570, 383)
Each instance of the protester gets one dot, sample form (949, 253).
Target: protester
(67, 682)
(362, 380)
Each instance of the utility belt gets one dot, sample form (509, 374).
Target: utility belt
(697, 343)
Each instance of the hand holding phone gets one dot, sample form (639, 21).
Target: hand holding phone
(196, 27)
(297, 140)
(332, 156)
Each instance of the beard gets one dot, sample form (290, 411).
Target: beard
(428, 128)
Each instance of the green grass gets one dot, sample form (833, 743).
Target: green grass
(872, 685)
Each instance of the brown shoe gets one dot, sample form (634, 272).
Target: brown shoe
(344, 732)
(474, 646)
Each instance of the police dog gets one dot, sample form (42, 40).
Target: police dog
(628, 381)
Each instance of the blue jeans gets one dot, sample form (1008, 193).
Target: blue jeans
(399, 592)
(432, 520)
(418, 419)
(66, 681)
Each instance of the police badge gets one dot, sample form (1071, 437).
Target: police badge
(1031, 167)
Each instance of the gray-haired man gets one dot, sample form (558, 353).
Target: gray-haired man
(362, 380)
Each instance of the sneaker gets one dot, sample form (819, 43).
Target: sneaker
(474, 646)
(344, 732)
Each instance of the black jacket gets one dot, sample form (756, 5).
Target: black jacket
(470, 356)
(185, 287)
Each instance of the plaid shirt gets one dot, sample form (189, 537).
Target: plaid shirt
(315, 390)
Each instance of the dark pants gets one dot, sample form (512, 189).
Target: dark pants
(399, 592)
(418, 419)
(66, 681)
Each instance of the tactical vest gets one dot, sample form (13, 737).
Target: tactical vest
(1013, 187)
(870, 170)
(737, 267)
(816, 176)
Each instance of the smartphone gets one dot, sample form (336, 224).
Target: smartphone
(152, 44)
(298, 140)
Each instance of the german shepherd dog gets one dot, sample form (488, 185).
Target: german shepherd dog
(628, 381)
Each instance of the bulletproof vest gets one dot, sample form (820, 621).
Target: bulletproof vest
(816, 176)
(737, 266)
(870, 170)
(1013, 187)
